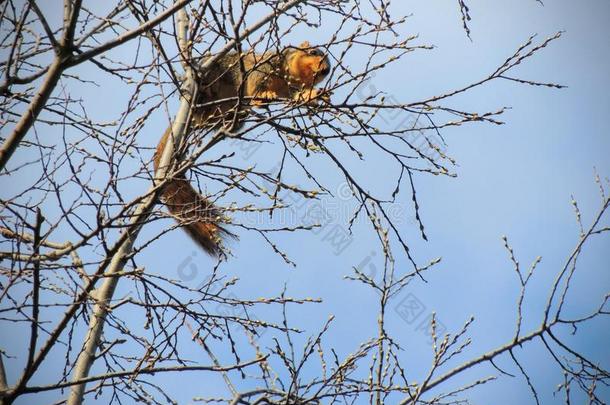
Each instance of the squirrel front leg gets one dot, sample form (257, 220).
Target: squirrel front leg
(311, 96)
(264, 97)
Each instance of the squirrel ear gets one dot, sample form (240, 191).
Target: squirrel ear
(305, 44)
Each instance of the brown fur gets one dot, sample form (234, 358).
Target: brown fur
(290, 74)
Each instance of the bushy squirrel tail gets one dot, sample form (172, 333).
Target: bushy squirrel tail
(198, 216)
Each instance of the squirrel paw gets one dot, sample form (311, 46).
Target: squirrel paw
(265, 97)
(312, 96)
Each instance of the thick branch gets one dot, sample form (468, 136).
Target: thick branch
(31, 114)
(105, 293)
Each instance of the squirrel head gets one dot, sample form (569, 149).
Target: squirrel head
(307, 66)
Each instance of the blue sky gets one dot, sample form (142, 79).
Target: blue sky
(514, 180)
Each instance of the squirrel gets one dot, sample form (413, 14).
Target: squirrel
(289, 74)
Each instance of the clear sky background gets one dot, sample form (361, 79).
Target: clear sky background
(514, 180)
